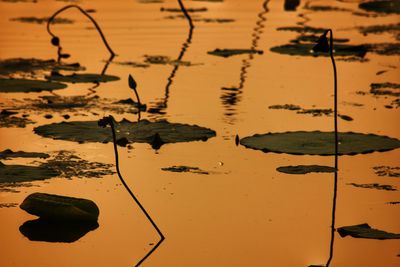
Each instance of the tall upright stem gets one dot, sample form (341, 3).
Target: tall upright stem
(111, 119)
(336, 151)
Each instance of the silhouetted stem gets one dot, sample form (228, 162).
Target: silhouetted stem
(133, 196)
(336, 150)
(186, 14)
(87, 15)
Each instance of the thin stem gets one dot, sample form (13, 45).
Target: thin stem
(186, 14)
(87, 15)
(133, 196)
(336, 151)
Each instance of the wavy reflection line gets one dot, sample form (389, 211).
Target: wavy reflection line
(231, 95)
(161, 106)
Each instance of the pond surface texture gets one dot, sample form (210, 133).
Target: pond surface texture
(243, 212)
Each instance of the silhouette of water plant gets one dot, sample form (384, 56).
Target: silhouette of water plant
(109, 121)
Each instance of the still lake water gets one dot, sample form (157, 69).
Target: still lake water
(244, 212)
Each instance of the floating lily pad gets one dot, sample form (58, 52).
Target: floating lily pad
(387, 171)
(82, 78)
(365, 231)
(178, 10)
(378, 29)
(8, 153)
(285, 106)
(42, 20)
(302, 29)
(375, 186)
(29, 65)
(7, 120)
(142, 132)
(314, 39)
(305, 49)
(22, 173)
(382, 6)
(386, 49)
(164, 60)
(185, 169)
(233, 52)
(326, 8)
(50, 231)
(26, 86)
(392, 89)
(319, 143)
(8, 205)
(60, 208)
(303, 169)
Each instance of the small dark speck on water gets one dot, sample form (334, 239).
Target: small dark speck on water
(48, 116)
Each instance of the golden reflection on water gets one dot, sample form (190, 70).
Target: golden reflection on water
(244, 213)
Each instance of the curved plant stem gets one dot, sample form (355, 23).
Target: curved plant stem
(111, 120)
(336, 150)
(186, 14)
(87, 15)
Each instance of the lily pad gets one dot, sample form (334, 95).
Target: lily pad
(60, 208)
(142, 132)
(392, 89)
(29, 65)
(50, 231)
(303, 169)
(185, 169)
(22, 173)
(387, 171)
(42, 20)
(305, 49)
(319, 143)
(8, 153)
(375, 186)
(234, 52)
(382, 6)
(26, 86)
(82, 78)
(178, 10)
(7, 120)
(302, 29)
(365, 231)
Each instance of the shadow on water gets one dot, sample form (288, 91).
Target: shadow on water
(232, 95)
(54, 231)
(160, 106)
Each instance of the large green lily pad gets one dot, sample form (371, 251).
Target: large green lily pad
(319, 143)
(382, 6)
(82, 78)
(50, 231)
(142, 132)
(60, 208)
(26, 86)
(365, 231)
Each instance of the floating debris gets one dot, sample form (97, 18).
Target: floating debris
(319, 143)
(304, 169)
(233, 52)
(182, 168)
(374, 186)
(365, 231)
(387, 171)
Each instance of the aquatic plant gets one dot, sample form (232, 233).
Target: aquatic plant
(55, 40)
(325, 47)
(109, 121)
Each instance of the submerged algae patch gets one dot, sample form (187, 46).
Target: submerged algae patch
(319, 143)
(142, 132)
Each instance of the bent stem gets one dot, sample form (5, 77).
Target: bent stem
(336, 150)
(88, 16)
(111, 122)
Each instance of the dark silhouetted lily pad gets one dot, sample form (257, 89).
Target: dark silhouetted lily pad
(305, 49)
(382, 6)
(29, 65)
(26, 86)
(164, 60)
(319, 143)
(392, 89)
(385, 49)
(365, 231)
(7, 120)
(178, 10)
(375, 186)
(60, 208)
(42, 20)
(22, 173)
(378, 29)
(302, 29)
(185, 169)
(54, 231)
(142, 132)
(82, 78)
(387, 171)
(8, 153)
(233, 52)
(303, 169)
